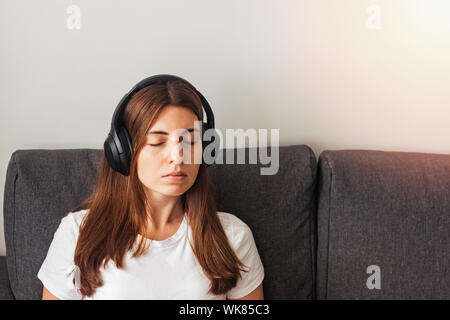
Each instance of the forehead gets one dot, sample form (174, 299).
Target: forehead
(174, 117)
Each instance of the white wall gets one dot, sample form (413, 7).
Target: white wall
(311, 68)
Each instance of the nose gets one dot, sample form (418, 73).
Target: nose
(176, 153)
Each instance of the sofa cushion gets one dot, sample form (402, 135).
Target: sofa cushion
(5, 288)
(42, 185)
(383, 219)
(280, 210)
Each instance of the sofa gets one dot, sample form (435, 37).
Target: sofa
(352, 224)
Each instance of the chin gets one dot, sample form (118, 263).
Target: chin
(174, 191)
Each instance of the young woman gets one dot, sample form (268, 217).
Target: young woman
(155, 234)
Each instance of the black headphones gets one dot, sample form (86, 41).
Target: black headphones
(118, 146)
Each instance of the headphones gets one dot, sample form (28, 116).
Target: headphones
(118, 146)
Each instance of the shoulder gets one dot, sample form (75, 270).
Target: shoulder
(235, 228)
(71, 222)
(58, 266)
(243, 243)
(76, 217)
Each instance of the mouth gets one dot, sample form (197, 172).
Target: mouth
(175, 177)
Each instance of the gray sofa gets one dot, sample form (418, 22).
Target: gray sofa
(319, 225)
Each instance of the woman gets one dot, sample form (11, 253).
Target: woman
(154, 234)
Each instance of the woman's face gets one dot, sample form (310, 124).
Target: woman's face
(168, 149)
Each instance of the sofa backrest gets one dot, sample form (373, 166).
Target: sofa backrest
(383, 225)
(42, 185)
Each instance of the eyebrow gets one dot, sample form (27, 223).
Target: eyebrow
(165, 133)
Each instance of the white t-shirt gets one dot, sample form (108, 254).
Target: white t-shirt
(169, 270)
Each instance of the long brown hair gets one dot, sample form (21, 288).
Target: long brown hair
(118, 204)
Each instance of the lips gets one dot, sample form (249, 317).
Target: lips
(176, 174)
(175, 177)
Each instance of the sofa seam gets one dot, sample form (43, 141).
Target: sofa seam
(328, 225)
(311, 225)
(14, 219)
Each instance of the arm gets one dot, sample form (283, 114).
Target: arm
(256, 294)
(47, 295)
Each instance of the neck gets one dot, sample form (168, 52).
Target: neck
(165, 211)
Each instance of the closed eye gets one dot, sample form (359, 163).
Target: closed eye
(186, 142)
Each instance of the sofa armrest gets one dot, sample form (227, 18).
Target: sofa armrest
(5, 289)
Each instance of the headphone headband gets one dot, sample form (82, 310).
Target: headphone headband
(162, 79)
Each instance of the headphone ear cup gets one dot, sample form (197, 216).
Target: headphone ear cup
(202, 131)
(127, 147)
(111, 152)
(215, 142)
(204, 127)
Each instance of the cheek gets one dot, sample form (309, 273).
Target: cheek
(147, 166)
(193, 172)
